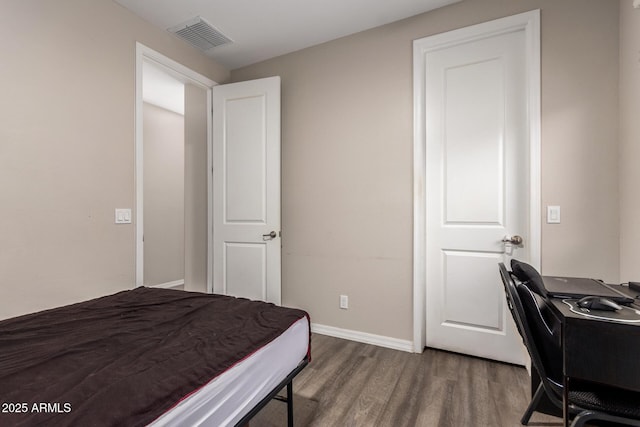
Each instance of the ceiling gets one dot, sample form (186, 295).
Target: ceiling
(263, 29)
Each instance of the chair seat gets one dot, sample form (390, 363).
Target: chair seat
(615, 401)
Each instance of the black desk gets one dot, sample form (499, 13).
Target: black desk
(600, 351)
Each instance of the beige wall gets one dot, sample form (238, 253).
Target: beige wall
(67, 147)
(196, 190)
(629, 142)
(347, 157)
(163, 195)
(580, 65)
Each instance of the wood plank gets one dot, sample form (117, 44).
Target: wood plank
(354, 384)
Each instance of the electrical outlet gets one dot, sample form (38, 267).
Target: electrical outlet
(344, 302)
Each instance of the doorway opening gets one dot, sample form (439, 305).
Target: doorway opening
(163, 178)
(173, 174)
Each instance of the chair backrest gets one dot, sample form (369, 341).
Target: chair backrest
(532, 327)
(528, 275)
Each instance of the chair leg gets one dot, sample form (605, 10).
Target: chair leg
(535, 400)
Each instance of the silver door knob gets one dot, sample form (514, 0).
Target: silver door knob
(514, 240)
(269, 236)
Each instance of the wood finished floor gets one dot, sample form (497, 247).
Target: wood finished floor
(354, 384)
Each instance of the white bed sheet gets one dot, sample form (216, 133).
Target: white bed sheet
(227, 398)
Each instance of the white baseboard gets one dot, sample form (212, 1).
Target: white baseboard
(363, 337)
(169, 285)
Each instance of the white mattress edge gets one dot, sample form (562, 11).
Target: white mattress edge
(224, 400)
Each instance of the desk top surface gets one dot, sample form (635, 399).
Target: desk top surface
(565, 313)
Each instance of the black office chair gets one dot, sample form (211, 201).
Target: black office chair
(587, 401)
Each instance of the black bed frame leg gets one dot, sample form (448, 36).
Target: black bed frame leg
(290, 404)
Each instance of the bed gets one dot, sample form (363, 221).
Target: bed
(150, 356)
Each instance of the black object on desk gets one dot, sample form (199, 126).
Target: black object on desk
(597, 303)
(579, 287)
(622, 314)
(634, 286)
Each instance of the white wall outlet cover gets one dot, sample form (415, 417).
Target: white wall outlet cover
(123, 216)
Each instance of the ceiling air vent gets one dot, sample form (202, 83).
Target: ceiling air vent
(199, 33)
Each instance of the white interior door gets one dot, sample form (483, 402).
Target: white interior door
(477, 190)
(246, 189)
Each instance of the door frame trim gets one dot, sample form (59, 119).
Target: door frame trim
(144, 53)
(529, 22)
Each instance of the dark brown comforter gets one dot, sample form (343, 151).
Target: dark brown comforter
(126, 358)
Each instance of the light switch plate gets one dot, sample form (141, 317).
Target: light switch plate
(553, 214)
(344, 302)
(123, 216)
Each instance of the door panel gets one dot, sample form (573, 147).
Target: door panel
(246, 188)
(241, 281)
(477, 192)
(473, 129)
(244, 168)
(460, 301)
